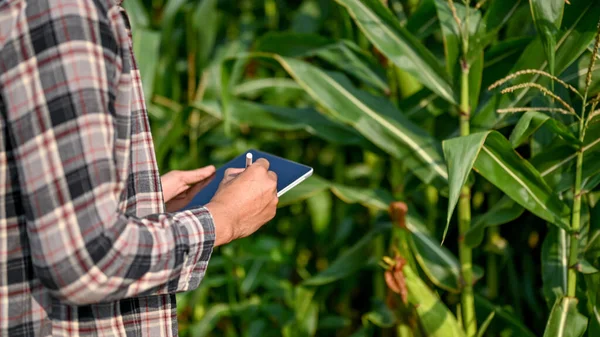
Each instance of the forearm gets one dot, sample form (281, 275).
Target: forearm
(161, 254)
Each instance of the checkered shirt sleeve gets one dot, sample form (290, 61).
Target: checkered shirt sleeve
(67, 117)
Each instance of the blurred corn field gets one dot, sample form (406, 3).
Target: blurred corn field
(456, 155)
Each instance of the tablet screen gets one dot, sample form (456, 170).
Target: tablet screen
(289, 174)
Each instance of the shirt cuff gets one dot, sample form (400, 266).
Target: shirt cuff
(202, 241)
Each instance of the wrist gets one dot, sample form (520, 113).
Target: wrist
(222, 222)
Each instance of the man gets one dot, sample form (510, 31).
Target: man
(87, 245)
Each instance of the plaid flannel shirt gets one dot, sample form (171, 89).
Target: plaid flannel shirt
(86, 248)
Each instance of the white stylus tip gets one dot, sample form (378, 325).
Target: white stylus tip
(249, 155)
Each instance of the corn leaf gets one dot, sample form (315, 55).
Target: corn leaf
(334, 322)
(401, 47)
(502, 212)
(306, 314)
(205, 21)
(578, 30)
(465, 154)
(252, 89)
(377, 199)
(481, 331)
(565, 320)
(345, 55)
(363, 332)
(381, 315)
(586, 267)
(566, 180)
(310, 17)
(555, 250)
(593, 297)
(373, 198)
(348, 262)
(491, 155)
(209, 320)
(504, 317)
(438, 263)
(452, 35)
(557, 164)
(496, 55)
(452, 32)
(592, 245)
(291, 44)
(374, 117)
(496, 16)
(518, 179)
(435, 318)
(532, 121)
(286, 119)
(423, 21)
(320, 208)
(312, 186)
(547, 16)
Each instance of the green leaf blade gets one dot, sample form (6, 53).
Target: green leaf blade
(381, 315)
(460, 154)
(286, 119)
(486, 324)
(492, 156)
(593, 297)
(578, 30)
(518, 179)
(437, 262)
(555, 267)
(342, 54)
(547, 16)
(436, 319)
(348, 263)
(502, 212)
(401, 47)
(532, 121)
(565, 320)
(504, 317)
(374, 117)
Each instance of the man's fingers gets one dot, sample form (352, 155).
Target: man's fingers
(273, 176)
(197, 175)
(232, 172)
(261, 162)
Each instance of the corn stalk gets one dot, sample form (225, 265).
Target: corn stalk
(577, 192)
(464, 204)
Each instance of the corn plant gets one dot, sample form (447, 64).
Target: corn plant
(407, 109)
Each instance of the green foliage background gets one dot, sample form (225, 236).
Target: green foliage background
(369, 93)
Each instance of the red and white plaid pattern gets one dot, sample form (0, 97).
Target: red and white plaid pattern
(86, 248)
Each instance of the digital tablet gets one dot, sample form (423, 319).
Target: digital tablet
(289, 174)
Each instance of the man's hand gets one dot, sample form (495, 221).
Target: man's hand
(180, 187)
(245, 200)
